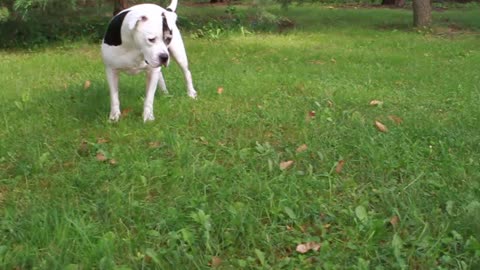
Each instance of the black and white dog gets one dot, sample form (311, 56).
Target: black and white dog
(143, 37)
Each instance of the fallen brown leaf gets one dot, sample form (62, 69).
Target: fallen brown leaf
(216, 262)
(395, 119)
(302, 148)
(381, 127)
(154, 144)
(306, 247)
(339, 167)
(394, 220)
(286, 164)
(83, 149)
(310, 115)
(87, 84)
(302, 248)
(376, 102)
(147, 259)
(126, 111)
(101, 157)
(317, 62)
(102, 140)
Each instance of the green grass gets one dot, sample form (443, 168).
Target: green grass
(203, 180)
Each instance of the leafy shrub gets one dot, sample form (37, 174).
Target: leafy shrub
(4, 14)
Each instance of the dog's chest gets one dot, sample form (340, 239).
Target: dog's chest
(125, 59)
(136, 68)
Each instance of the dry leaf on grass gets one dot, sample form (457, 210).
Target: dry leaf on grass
(394, 221)
(154, 144)
(286, 164)
(395, 119)
(216, 262)
(302, 148)
(376, 102)
(220, 90)
(83, 149)
(87, 84)
(339, 167)
(306, 247)
(317, 62)
(102, 140)
(381, 127)
(310, 116)
(101, 157)
(126, 111)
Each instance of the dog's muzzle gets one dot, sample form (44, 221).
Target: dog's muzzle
(162, 60)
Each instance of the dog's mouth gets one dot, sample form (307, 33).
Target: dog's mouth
(158, 65)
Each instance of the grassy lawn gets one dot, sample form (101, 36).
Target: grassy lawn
(204, 180)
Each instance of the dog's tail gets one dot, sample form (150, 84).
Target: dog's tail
(173, 6)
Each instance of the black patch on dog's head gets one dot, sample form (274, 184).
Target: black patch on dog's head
(167, 32)
(113, 36)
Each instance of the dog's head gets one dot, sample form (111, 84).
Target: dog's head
(152, 34)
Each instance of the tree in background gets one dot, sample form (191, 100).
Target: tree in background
(119, 5)
(15, 9)
(422, 13)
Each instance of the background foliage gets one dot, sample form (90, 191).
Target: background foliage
(29, 23)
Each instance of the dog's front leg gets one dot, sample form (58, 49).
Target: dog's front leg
(112, 78)
(153, 76)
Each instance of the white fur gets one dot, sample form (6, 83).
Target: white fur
(137, 53)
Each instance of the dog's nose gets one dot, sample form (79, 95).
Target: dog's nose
(163, 57)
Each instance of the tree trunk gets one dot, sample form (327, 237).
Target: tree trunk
(422, 13)
(119, 5)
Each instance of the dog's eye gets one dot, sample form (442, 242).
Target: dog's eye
(152, 40)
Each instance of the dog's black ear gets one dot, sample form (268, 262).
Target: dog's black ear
(169, 19)
(113, 35)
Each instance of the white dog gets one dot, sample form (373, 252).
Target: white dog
(139, 38)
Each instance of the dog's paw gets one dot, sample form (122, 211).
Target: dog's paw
(114, 116)
(165, 91)
(192, 94)
(148, 115)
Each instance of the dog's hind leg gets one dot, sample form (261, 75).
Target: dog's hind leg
(112, 78)
(177, 49)
(162, 83)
